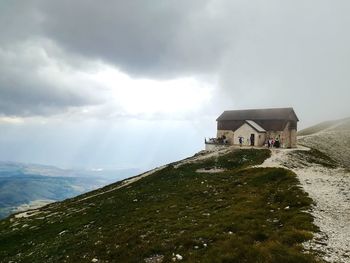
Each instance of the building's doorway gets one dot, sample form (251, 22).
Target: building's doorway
(252, 139)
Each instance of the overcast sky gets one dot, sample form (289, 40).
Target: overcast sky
(139, 83)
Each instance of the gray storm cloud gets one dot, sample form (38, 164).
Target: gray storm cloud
(249, 53)
(141, 37)
(33, 83)
(269, 53)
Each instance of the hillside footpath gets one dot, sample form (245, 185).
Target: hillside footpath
(329, 187)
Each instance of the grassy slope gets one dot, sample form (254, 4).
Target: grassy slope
(342, 124)
(333, 140)
(317, 128)
(234, 216)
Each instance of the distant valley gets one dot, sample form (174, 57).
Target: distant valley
(26, 186)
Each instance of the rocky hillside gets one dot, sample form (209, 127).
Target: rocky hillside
(213, 207)
(331, 138)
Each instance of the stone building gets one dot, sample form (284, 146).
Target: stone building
(256, 126)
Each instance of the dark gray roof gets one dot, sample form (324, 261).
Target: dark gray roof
(259, 114)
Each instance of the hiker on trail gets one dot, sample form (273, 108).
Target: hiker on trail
(268, 143)
(240, 141)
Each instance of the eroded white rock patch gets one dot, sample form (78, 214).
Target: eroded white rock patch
(210, 171)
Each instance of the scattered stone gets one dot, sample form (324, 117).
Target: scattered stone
(94, 260)
(154, 259)
(61, 233)
(178, 257)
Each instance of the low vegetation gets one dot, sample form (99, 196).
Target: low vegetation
(317, 128)
(313, 156)
(240, 215)
(341, 124)
(333, 140)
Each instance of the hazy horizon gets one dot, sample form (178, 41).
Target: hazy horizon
(139, 84)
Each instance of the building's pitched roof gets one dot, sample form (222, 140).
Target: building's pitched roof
(255, 126)
(259, 114)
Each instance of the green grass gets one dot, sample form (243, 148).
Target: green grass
(314, 156)
(235, 216)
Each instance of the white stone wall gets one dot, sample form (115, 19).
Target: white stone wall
(213, 147)
(288, 138)
(228, 133)
(293, 135)
(245, 131)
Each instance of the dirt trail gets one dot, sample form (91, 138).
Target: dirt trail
(330, 189)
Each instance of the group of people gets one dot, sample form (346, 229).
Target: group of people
(270, 143)
(219, 140)
(273, 143)
(222, 139)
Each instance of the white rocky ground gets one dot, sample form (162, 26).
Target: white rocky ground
(33, 205)
(330, 190)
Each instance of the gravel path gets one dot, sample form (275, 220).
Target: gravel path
(330, 189)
